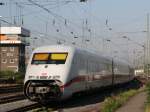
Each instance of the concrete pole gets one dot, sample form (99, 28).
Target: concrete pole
(147, 48)
(83, 34)
(144, 58)
(148, 45)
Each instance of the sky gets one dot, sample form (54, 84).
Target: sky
(96, 20)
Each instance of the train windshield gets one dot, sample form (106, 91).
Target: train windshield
(49, 58)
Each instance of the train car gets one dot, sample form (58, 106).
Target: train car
(57, 72)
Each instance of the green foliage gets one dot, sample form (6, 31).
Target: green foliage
(147, 105)
(19, 77)
(16, 77)
(148, 93)
(114, 102)
(6, 74)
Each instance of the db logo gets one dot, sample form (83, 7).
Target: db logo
(43, 73)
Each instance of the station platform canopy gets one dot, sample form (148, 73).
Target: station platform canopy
(15, 31)
(14, 35)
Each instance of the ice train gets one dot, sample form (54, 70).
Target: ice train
(57, 72)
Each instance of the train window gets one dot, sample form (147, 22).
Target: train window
(49, 58)
(60, 56)
(57, 58)
(41, 56)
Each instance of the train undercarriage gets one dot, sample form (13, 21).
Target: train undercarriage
(43, 90)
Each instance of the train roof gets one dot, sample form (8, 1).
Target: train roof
(54, 48)
(61, 48)
(65, 48)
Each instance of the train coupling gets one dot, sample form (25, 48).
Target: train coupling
(42, 90)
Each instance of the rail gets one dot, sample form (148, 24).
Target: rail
(19, 106)
(10, 97)
(11, 89)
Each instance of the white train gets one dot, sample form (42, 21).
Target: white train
(57, 72)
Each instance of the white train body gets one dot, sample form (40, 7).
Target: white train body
(57, 72)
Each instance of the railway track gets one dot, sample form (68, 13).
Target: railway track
(74, 104)
(19, 106)
(11, 89)
(26, 108)
(91, 100)
(10, 93)
(10, 97)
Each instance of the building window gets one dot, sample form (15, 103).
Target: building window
(9, 54)
(4, 48)
(4, 60)
(12, 48)
(12, 61)
(3, 54)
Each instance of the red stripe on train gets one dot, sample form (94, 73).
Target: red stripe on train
(84, 78)
(93, 78)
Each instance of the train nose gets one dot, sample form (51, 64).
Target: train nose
(42, 90)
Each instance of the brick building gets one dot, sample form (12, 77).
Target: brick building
(12, 48)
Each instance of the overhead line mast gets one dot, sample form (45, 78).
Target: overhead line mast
(148, 47)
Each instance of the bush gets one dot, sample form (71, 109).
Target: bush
(114, 102)
(19, 77)
(6, 74)
(10, 76)
(148, 97)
